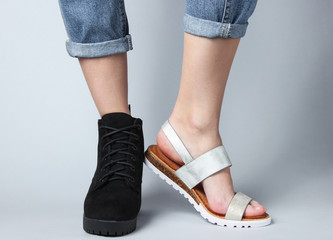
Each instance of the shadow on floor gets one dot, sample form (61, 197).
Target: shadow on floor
(162, 199)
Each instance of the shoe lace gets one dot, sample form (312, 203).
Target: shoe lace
(117, 173)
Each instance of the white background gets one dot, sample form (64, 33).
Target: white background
(277, 121)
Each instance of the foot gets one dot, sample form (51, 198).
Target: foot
(218, 187)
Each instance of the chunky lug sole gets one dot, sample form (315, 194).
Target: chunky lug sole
(164, 168)
(108, 228)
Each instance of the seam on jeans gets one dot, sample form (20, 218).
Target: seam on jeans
(228, 30)
(123, 17)
(225, 7)
(227, 11)
(130, 45)
(225, 30)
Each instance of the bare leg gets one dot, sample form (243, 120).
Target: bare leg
(195, 117)
(107, 81)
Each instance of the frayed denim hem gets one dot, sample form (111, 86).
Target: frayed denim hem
(100, 49)
(210, 29)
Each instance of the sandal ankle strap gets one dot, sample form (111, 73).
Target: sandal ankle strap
(196, 170)
(176, 142)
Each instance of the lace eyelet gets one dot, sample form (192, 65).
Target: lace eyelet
(133, 169)
(133, 158)
(134, 148)
(131, 179)
(139, 127)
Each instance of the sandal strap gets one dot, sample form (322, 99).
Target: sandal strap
(237, 207)
(196, 170)
(176, 142)
(203, 166)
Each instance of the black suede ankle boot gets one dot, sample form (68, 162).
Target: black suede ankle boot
(114, 197)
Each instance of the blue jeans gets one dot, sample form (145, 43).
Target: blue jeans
(97, 28)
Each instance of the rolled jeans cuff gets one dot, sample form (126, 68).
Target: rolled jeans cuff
(211, 29)
(99, 49)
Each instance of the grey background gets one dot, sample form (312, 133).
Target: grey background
(277, 121)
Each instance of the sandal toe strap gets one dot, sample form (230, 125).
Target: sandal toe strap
(237, 207)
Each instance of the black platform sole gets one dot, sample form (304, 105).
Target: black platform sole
(108, 228)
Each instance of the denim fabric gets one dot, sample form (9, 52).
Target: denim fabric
(218, 18)
(97, 28)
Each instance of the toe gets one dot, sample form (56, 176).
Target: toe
(254, 209)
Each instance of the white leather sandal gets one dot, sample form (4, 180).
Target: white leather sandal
(187, 180)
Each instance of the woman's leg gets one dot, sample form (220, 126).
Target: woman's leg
(107, 81)
(98, 37)
(195, 117)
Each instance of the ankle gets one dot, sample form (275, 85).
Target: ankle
(116, 109)
(195, 126)
(197, 139)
